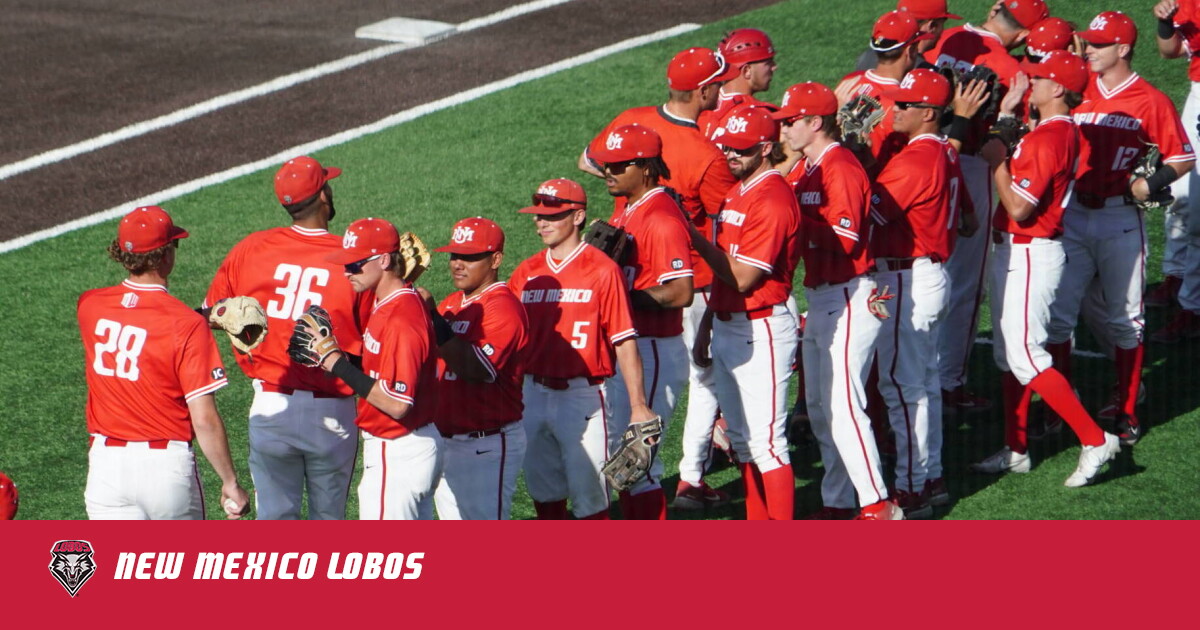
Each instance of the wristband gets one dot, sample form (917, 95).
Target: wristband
(352, 376)
(959, 127)
(1166, 29)
(442, 331)
(1161, 179)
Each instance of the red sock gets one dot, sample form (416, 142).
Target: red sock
(1060, 353)
(780, 488)
(1016, 412)
(602, 515)
(1129, 377)
(756, 506)
(552, 511)
(1057, 392)
(651, 506)
(626, 506)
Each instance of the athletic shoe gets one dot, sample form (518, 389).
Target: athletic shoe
(915, 504)
(938, 493)
(1043, 423)
(1091, 459)
(1165, 293)
(1128, 429)
(1109, 412)
(1002, 461)
(689, 497)
(885, 510)
(960, 398)
(831, 514)
(1185, 325)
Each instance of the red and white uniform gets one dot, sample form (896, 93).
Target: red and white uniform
(915, 204)
(485, 442)
(840, 332)
(402, 459)
(659, 251)
(885, 142)
(578, 310)
(1181, 258)
(301, 420)
(147, 355)
(754, 333)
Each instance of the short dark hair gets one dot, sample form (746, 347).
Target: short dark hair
(305, 208)
(1073, 99)
(139, 263)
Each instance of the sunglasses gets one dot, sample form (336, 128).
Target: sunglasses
(747, 152)
(561, 216)
(471, 258)
(355, 268)
(907, 106)
(550, 201)
(619, 168)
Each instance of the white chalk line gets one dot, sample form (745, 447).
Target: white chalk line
(345, 136)
(1088, 354)
(274, 85)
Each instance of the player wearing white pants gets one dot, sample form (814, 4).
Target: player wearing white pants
(568, 443)
(118, 486)
(702, 408)
(480, 474)
(400, 475)
(664, 375)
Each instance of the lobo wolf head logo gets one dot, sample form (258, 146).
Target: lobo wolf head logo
(71, 564)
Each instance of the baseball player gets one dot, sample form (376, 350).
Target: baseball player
(403, 452)
(915, 204)
(658, 270)
(931, 16)
(152, 367)
(964, 47)
(481, 332)
(840, 332)
(579, 322)
(1103, 229)
(700, 178)
(10, 499)
(750, 52)
(753, 337)
(1179, 35)
(1029, 261)
(301, 421)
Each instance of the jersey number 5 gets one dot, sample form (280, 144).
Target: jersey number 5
(297, 293)
(579, 339)
(126, 342)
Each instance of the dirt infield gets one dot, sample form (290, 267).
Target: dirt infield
(78, 69)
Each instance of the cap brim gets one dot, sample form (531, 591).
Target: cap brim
(603, 156)
(347, 256)
(951, 16)
(177, 233)
(1096, 37)
(540, 209)
(332, 172)
(463, 249)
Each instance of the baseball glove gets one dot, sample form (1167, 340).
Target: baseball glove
(633, 458)
(1150, 162)
(607, 238)
(1009, 130)
(243, 318)
(858, 117)
(312, 338)
(877, 302)
(415, 255)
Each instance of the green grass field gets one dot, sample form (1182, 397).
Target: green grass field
(484, 158)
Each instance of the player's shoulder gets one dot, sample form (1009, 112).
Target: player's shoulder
(592, 259)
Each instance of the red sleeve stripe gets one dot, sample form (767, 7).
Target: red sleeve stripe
(207, 389)
(675, 274)
(623, 335)
(844, 233)
(487, 363)
(754, 263)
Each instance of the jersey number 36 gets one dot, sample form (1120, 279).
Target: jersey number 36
(297, 292)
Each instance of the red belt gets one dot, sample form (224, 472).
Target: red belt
(898, 265)
(563, 383)
(758, 313)
(288, 391)
(474, 434)
(155, 444)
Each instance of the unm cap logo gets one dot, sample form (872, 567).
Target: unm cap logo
(1098, 23)
(463, 234)
(614, 141)
(736, 124)
(71, 564)
(548, 190)
(349, 240)
(908, 82)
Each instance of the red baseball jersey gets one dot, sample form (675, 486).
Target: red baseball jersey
(885, 141)
(916, 200)
(833, 192)
(495, 325)
(1042, 167)
(1115, 126)
(398, 351)
(285, 269)
(759, 225)
(659, 251)
(147, 355)
(963, 48)
(712, 122)
(1187, 23)
(699, 173)
(578, 310)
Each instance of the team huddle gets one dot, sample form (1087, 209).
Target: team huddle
(944, 169)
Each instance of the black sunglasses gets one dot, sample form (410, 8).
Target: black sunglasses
(356, 267)
(907, 106)
(619, 168)
(747, 152)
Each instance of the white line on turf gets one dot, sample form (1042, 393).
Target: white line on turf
(345, 136)
(274, 85)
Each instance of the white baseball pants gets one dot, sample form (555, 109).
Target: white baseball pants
(664, 374)
(480, 475)
(567, 434)
(1025, 278)
(400, 475)
(967, 270)
(702, 405)
(136, 482)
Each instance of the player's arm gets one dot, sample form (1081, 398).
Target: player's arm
(210, 434)
(726, 268)
(677, 293)
(1018, 205)
(1142, 187)
(1170, 43)
(667, 243)
(588, 166)
(630, 362)
(370, 389)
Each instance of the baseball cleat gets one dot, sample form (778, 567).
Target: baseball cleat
(1004, 461)
(831, 514)
(915, 505)
(1109, 412)
(1045, 424)
(1129, 430)
(1185, 325)
(885, 510)
(689, 497)
(960, 398)
(1091, 459)
(939, 494)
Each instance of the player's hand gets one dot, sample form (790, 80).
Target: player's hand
(1166, 9)
(1016, 92)
(994, 152)
(430, 303)
(641, 413)
(1139, 189)
(235, 501)
(969, 98)
(845, 91)
(700, 353)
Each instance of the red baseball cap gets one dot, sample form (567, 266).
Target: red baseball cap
(10, 499)
(747, 126)
(301, 178)
(806, 99)
(896, 29)
(627, 142)
(1052, 33)
(557, 195)
(147, 229)
(364, 239)
(922, 86)
(1070, 71)
(1110, 27)
(1027, 12)
(926, 9)
(475, 235)
(695, 68)
(746, 45)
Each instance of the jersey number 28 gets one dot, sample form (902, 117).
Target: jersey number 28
(126, 342)
(297, 292)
